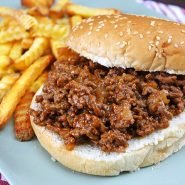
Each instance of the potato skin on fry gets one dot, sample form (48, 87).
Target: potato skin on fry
(22, 126)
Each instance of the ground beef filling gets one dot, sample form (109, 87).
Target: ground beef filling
(85, 103)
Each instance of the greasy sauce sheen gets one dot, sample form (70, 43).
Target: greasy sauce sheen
(85, 102)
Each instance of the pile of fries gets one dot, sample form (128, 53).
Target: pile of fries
(30, 40)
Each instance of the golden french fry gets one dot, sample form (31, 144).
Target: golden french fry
(36, 85)
(12, 98)
(23, 19)
(74, 9)
(16, 51)
(38, 11)
(12, 34)
(40, 44)
(26, 43)
(5, 48)
(22, 125)
(6, 71)
(63, 21)
(44, 20)
(6, 83)
(75, 19)
(56, 10)
(32, 3)
(5, 61)
(56, 45)
(49, 31)
(4, 23)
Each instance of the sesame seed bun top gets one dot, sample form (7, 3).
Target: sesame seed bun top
(130, 41)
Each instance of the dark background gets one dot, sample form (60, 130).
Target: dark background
(175, 2)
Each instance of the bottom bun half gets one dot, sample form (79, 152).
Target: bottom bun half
(91, 160)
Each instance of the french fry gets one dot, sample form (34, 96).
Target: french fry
(36, 85)
(74, 20)
(56, 10)
(12, 98)
(56, 45)
(6, 83)
(16, 51)
(6, 71)
(74, 9)
(63, 22)
(44, 20)
(5, 61)
(4, 23)
(5, 48)
(32, 3)
(22, 126)
(23, 19)
(38, 11)
(26, 43)
(49, 31)
(40, 44)
(12, 34)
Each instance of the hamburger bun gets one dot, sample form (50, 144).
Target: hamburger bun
(127, 41)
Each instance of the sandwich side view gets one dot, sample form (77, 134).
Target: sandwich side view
(117, 103)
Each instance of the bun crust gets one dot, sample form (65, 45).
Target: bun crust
(91, 160)
(130, 41)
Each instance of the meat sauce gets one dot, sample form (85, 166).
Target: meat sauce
(84, 102)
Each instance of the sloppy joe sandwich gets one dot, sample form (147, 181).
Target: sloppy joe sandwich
(118, 103)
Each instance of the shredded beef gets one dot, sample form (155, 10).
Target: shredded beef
(84, 102)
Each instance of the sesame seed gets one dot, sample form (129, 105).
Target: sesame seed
(183, 31)
(106, 35)
(169, 40)
(158, 38)
(89, 33)
(160, 31)
(159, 55)
(81, 27)
(170, 37)
(118, 43)
(100, 22)
(97, 29)
(128, 31)
(121, 34)
(152, 23)
(124, 18)
(151, 42)
(112, 22)
(157, 43)
(178, 24)
(149, 47)
(135, 33)
(129, 21)
(116, 26)
(89, 20)
(182, 42)
(176, 45)
(141, 36)
(148, 32)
